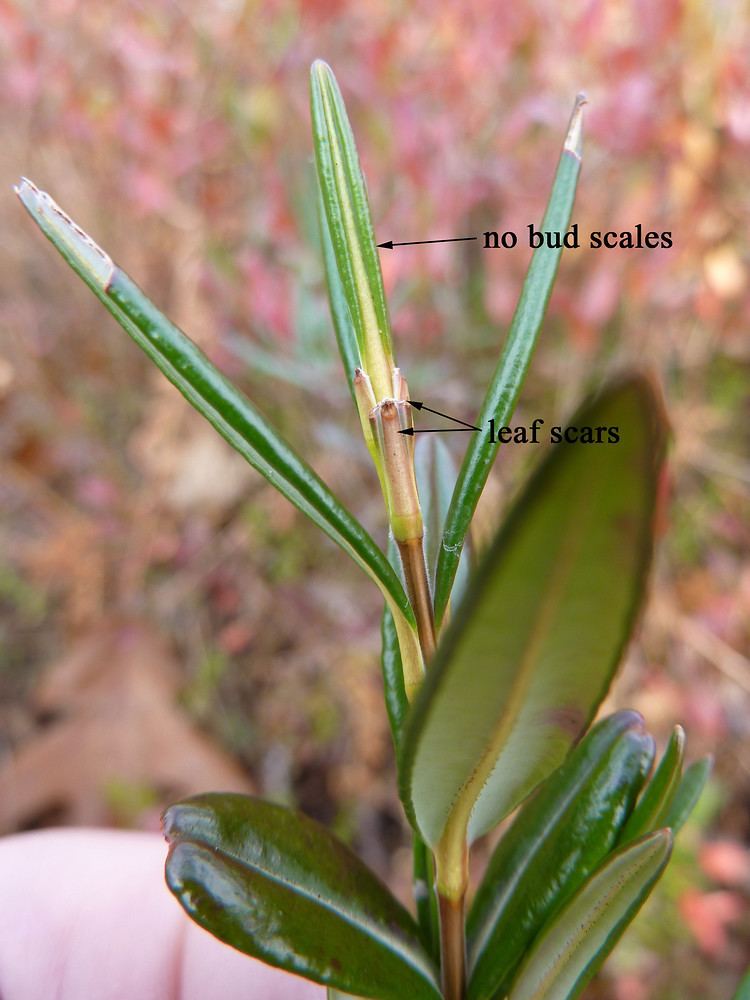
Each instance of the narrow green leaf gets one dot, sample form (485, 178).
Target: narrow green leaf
(561, 834)
(215, 398)
(346, 337)
(396, 702)
(510, 373)
(347, 211)
(425, 898)
(743, 990)
(531, 651)
(574, 944)
(436, 478)
(653, 805)
(276, 885)
(688, 792)
(392, 662)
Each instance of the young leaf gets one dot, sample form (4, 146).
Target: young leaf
(425, 899)
(347, 212)
(276, 885)
(511, 371)
(653, 805)
(559, 837)
(531, 651)
(396, 702)
(227, 409)
(346, 337)
(436, 479)
(688, 792)
(391, 664)
(572, 947)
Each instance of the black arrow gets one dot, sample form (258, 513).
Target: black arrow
(420, 406)
(436, 430)
(389, 244)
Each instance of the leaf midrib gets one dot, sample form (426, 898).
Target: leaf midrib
(573, 942)
(370, 348)
(466, 801)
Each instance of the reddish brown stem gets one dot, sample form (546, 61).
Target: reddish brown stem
(418, 589)
(452, 948)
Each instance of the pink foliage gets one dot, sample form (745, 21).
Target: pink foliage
(710, 917)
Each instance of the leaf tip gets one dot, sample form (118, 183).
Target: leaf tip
(657, 845)
(27, 191)
(647, 385)
(664, 837)
(574, 138)
(57, 225)
(320, 70)
(169, 824)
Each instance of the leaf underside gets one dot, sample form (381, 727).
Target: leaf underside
(560, 835)
(575, 943)
(532, 649)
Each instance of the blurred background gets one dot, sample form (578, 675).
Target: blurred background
(167, 623)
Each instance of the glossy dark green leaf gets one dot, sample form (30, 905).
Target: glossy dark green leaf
(559, 837)
(653, 805)
(510, 373)
(227, 409)
(530, 652)
(276, 885)
(575, 942)
(347, 211)
(688, 792)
